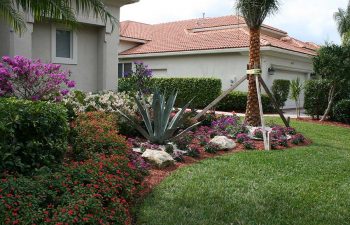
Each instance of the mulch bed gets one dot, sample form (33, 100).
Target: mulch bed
(157, 175)
(330, 123)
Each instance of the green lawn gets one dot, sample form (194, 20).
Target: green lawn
(307, 185)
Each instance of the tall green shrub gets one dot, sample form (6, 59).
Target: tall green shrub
(32, 134)
(203, 90)
(280, 90)
(316, 97)
(341, 111)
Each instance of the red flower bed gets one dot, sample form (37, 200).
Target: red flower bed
(98, 189)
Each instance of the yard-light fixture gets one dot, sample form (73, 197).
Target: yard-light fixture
(271, 71)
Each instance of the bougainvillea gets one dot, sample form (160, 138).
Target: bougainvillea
(141, 76)
(33, 80)
(240, 138)
(297, 139)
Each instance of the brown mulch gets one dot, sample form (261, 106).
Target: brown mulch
(157, 175)
(330, 123)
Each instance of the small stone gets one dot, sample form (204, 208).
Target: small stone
(137, 150)
(223, 142)
(160, 159)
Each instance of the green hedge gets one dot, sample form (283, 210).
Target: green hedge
(237, 101)
(32, 134)
(203, 90)
(316, 97)
(341, 111)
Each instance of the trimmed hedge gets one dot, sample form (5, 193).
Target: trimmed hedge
(32, 134)
(237, 101)
(280, 90)
(341, 111)
(203, 90)
(316, 97)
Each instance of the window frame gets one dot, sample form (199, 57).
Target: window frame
(73, 51)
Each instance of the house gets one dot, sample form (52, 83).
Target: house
(213, 47)
(89, 51)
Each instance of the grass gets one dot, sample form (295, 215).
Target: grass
(306, 185)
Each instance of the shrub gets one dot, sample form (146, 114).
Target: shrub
(341, 111)
(78, 102)
(237, 101)
(96, 191)
(32, 134)
(95, 132)
(258, 133)
(33, 80)
(203, 90)
(139, 78)
(249, 144)
(241, 138)
(211, 148)
(280, 90)
(297, 139)
(316, 97)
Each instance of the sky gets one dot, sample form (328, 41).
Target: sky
(307, 20)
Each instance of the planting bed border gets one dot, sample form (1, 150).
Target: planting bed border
(157, 175)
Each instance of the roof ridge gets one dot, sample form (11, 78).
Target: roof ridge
(209, 18)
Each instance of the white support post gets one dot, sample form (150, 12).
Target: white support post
(266, 144)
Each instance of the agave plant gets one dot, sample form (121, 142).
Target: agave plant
(160, 127)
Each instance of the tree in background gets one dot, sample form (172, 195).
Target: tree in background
(254, 13)
(295, 91)
(333, 64)
(342, 17)
(13, 11)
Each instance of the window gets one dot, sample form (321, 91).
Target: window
(123, 69)
(64, 46)
(64, 43)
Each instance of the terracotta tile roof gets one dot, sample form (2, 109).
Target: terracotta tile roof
(205, 34)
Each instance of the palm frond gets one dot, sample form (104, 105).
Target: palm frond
(255, 11)
(10, 14)
(65, 11)
(342, 18)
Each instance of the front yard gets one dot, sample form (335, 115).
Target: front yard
(307, 185)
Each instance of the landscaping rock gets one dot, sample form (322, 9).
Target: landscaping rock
(223, 142)
(160, 159)
(137, 150)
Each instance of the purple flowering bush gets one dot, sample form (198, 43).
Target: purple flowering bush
(228, 126)
(258, 133)
(33, 80)
(240, 138)
(140, 77)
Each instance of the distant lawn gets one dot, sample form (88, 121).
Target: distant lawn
(308, 185)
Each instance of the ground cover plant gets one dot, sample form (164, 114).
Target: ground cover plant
(307, 185)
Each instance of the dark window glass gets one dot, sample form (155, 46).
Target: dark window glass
(127, 68)
(120, 70)
(63, 43)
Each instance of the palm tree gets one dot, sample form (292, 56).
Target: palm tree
(254, 13)
(12, 11)
(342, 17)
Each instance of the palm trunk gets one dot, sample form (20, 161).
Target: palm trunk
(252, 112)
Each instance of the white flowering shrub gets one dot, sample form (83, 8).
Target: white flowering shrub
(104, 101)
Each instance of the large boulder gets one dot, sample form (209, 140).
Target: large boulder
(160, 159)
(223, 142)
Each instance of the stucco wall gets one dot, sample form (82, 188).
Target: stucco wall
(125, 45)
(4, 39)
(229, 67)
(85, 71)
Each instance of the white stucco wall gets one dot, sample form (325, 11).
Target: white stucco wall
(229, 67)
